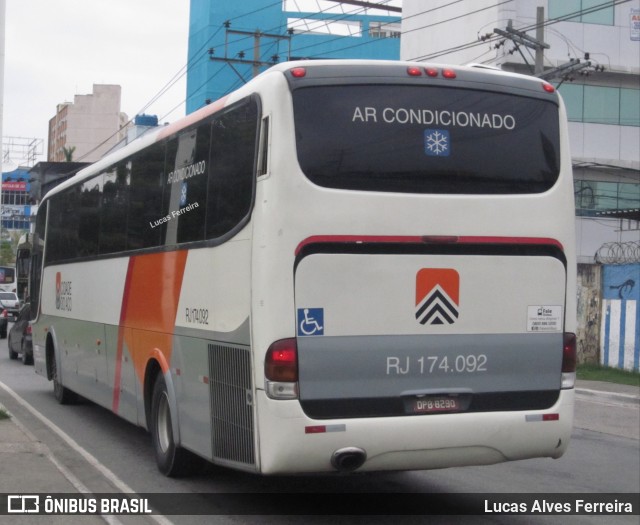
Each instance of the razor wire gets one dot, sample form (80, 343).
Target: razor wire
(619, 253)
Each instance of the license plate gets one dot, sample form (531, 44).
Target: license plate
(434, 404)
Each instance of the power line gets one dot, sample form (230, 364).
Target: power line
(369, 42)
(436, 54)
(434, 24)
(181, 72)
(549, 22)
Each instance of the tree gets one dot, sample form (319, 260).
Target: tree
(68, 153)
(7, 256)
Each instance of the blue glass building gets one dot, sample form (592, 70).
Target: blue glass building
(230, 40)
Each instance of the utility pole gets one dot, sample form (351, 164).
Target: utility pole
(538, 44)
(539, 67)
(521, 38)
(239, 58)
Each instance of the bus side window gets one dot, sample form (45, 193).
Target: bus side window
(263, 153)
(89, 220)
(62, 237)
(36, 259)
(231, 178)
(184, 200)
(145, 198)
(115, 198)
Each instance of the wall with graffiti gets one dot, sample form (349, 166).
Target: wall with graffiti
(620, 320)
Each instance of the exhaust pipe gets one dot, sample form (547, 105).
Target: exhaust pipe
(348, 459)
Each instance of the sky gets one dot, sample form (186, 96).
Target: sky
(55, 49)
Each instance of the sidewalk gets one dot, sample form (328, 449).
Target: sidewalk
(28, 467)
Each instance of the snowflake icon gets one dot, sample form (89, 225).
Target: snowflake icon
(183, 194)
(437, 143)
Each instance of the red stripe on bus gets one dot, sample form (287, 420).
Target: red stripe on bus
(424, 239)
(358, 239)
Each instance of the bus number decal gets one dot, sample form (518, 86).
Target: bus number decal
(197, 315)
(459, 364)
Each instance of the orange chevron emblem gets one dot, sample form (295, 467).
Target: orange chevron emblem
(437, 296)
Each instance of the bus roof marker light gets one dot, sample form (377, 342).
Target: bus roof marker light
(431, 71)
(449, 73)
(298, 72)
(413, 71)
(548, 87)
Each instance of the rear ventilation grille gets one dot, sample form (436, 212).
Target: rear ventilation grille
(231, 403)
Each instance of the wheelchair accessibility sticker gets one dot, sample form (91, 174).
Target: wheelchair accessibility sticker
(310, 321)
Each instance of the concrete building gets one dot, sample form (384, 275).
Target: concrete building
(591, 54)
(231, 41)
(92, 124)
(603, 106)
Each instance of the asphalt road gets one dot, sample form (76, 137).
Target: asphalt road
(108, 454)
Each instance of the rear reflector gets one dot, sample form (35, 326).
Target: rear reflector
(323, 429)
(533, 418)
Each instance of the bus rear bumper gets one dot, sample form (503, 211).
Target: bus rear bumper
(290, 442)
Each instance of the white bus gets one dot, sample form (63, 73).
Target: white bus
(7, 279)
(342, 265)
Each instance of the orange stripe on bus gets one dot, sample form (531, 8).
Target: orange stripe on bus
(148, 313)
(192, 118)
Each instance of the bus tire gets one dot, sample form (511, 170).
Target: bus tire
(63, 395)
(172, 460)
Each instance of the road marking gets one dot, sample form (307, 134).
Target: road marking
(92, 460)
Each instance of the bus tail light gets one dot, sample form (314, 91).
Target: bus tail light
(281, 370)
(569, 359)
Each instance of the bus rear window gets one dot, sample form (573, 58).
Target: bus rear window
(423, 139)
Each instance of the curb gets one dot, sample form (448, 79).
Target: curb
(632, 399)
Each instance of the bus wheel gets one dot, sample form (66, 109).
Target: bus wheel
(173, 461)
(63, 395)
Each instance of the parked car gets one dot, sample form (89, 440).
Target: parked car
(20, 341)
(4, 322)
(10, 302)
